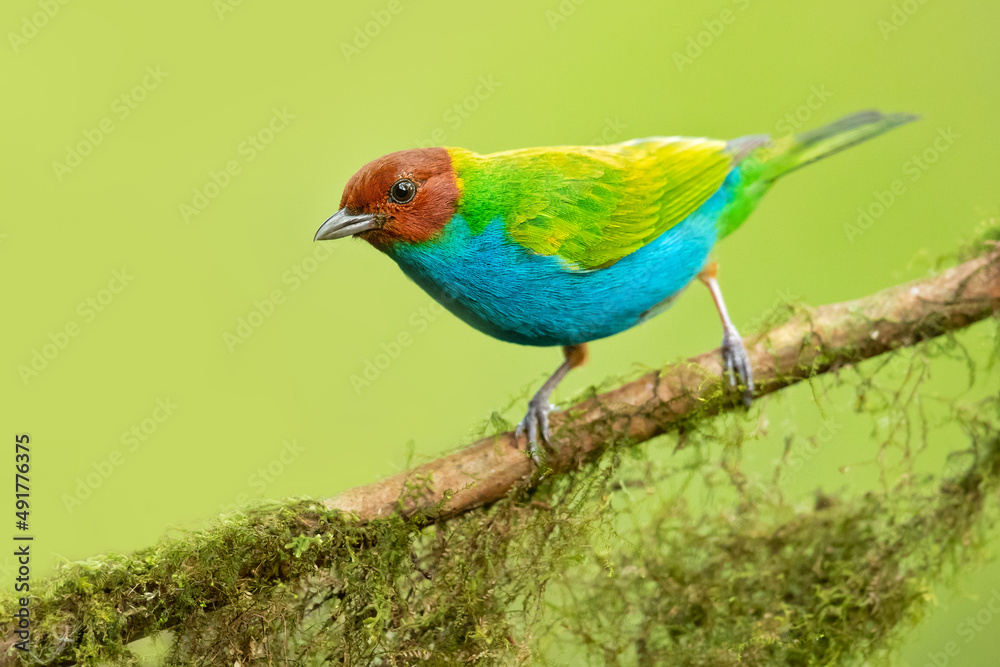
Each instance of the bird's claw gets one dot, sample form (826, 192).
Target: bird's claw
(737, 362)
(535, 424)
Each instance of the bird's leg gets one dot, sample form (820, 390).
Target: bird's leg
(536, 422)
(734, 353)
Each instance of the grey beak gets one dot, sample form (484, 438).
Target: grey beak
(342, 224)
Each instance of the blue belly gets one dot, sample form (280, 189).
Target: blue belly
(512, 294)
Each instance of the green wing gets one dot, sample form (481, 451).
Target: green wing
(591, 206)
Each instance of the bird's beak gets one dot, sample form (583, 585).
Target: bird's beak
(342, 224)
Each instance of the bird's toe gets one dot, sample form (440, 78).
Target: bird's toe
(737, 362)
(535, 426)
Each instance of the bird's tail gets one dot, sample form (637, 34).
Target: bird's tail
(784, 156)
(762, 160)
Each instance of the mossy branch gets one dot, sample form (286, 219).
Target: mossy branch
(340, 577)
(814, 342)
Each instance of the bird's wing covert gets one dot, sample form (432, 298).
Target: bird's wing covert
(593, 206)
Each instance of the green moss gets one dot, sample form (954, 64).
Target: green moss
(615, 563)
(765, 585)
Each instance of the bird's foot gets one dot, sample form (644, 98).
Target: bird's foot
(737, 362)
(536, 425)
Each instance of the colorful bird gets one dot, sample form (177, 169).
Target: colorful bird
(565, 245)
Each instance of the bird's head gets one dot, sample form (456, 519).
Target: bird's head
(403, 196)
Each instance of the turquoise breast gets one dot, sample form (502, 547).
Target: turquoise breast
(513, 294)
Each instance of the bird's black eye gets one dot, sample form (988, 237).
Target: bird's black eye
(403, 191)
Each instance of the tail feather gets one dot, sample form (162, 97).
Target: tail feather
(786, 155)
(762, 160)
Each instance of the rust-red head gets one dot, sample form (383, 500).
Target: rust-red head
(403, 196)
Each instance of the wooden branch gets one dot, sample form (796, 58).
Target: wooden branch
(812, 343)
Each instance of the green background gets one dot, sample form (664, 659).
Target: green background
(573, 73)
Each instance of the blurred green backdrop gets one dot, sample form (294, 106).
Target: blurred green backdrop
(176, 344)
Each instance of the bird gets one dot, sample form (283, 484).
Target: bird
(561, 246)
